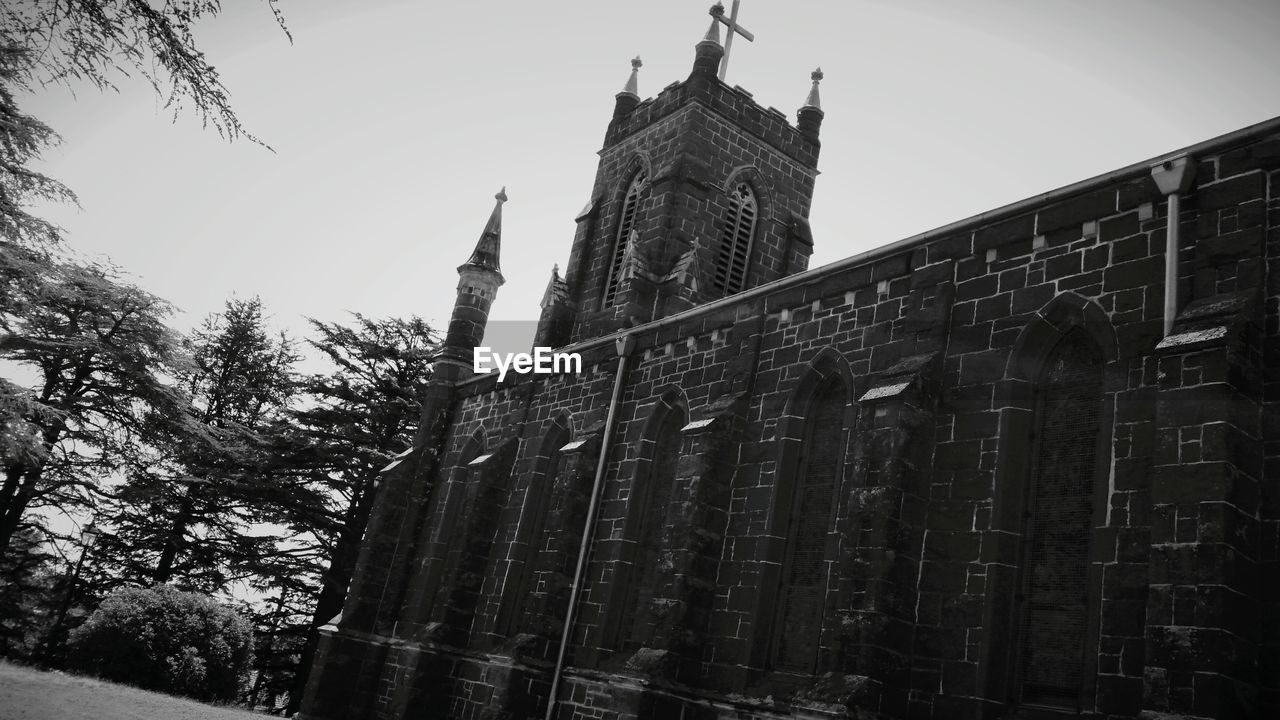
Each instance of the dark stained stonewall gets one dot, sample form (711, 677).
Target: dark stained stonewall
(962, 477)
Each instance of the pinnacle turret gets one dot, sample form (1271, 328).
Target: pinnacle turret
(709, 51)
(478, 281)
(813, 101)
(809, 119)
(629, 98)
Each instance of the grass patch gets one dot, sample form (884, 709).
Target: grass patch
(27, 694)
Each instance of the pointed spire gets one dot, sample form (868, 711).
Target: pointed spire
(489, 246)
(632, 87)
(813, 101)
(713, 32)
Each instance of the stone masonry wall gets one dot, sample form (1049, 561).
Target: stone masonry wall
(940, 345)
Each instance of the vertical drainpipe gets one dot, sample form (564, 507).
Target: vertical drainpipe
(1173, 177)
(625, 345)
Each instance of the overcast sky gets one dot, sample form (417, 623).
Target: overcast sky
(394, 123)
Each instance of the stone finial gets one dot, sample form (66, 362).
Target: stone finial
(555, 292)
(632, 87)
(813, 100)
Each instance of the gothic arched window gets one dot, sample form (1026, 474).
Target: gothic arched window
(800, 608)
(637, 191)
(471, 545)
(1055, 567)
(446, 506)
(735, 241)
(653, 492)
(533, 513)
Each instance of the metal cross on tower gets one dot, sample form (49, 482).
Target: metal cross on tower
(717, 12)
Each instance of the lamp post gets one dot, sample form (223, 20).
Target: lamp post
(88, 536)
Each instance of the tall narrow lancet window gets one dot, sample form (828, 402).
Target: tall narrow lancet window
(653, 492)
(531, 532)
(637, 191)
(735, 241)
(804, 571)
(487, 493)
(1055, 574)
(445, 503)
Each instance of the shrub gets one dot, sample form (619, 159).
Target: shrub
(164, 639)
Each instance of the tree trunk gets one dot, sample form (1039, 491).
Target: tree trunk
(14, 498)
(172, 544)
(16, 494)
(334, 590)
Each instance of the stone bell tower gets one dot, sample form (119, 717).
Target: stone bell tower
(700, 193)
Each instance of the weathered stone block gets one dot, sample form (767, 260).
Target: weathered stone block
(1229, 247)
(1132, 274)
(1077, 210)
(1233, 191)
(1018, 228)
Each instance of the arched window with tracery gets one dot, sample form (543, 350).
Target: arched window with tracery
(735, 241)
(1054, 603)
(637, 192)
(800, 608)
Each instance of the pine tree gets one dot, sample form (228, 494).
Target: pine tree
(200, 510)
(101, 353)
(360, 416)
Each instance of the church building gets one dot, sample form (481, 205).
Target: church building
(1025, 465)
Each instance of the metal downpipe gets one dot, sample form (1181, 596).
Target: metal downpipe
(1173, 177)
(624, 345)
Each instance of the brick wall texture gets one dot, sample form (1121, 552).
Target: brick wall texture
(965, 477)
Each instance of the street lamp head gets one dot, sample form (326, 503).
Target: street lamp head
(89, 535)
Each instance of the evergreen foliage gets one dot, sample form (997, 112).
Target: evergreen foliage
(192, 511)
(164, 639)
(360, 415)
(22, 139)
(101, 351)
(97, 41)
(27, 592)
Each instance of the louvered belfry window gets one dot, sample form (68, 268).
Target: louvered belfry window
(1059, 521)
(655, 494)
(637, 191)
(804, 570)
(735, 241)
